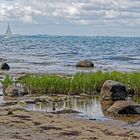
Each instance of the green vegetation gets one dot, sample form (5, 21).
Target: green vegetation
(88, 83)
(7, 81)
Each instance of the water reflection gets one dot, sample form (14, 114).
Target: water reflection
(88, 107)
(1, 92)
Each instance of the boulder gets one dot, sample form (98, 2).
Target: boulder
(124, 107)
(14, 91)
(4, 66)
(105, 104)
(113, 90)
(85, 63)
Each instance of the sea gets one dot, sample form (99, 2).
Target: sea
(59, 54)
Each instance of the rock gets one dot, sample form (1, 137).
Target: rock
(124, 107)
(22, 103)
(105, 104)
(14, 91)
(39, 104)
(85, 63)
(30, 101)
(40, 99)
(15, 108)
(4, 66)
(113, 90)
(65, 111)
(83, 95)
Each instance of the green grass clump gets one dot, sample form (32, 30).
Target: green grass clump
(6, 82)
(46, 84)
(88, 83)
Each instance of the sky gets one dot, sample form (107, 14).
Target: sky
(71, 17)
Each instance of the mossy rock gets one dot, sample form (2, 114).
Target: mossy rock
(22, 103)
(15, 108)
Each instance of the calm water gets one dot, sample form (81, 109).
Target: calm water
(89, 108)
(59, 54)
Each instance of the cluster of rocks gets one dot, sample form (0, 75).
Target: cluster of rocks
(116, 99)
(15, 91)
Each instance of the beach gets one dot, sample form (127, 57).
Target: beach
(70, 70)
(49, 66)
(22, 123)
(61, 126)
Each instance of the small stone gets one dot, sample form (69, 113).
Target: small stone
(83, 94)
(39, 104)
(22, 103)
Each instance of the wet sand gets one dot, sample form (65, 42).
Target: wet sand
(48, 126)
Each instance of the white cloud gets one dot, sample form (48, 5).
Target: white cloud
(27, 19)
(125, 12)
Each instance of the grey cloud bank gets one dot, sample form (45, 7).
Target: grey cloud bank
(83, 17)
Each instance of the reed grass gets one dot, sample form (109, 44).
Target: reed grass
(7, 81)
(88, 83)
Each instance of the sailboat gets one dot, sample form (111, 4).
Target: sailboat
(8, 33)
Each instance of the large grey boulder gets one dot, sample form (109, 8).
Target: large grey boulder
(4, 66)
(14, 91)
(113, 90)
(85, 63)
(115, 99)
(124, 107)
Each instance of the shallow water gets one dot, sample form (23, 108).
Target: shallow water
(59, 54)
(86, 108)
(89, 108)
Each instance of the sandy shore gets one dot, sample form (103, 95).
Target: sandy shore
(48, 126)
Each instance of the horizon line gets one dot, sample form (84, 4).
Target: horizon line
(67, 35)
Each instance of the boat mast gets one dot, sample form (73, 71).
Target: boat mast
(8, 32)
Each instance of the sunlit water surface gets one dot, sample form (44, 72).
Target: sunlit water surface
(59, 54)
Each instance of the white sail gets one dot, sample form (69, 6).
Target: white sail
(8, 33)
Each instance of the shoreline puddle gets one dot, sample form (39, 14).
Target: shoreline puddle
(87, 108)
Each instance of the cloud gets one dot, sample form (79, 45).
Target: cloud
(98, 12)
